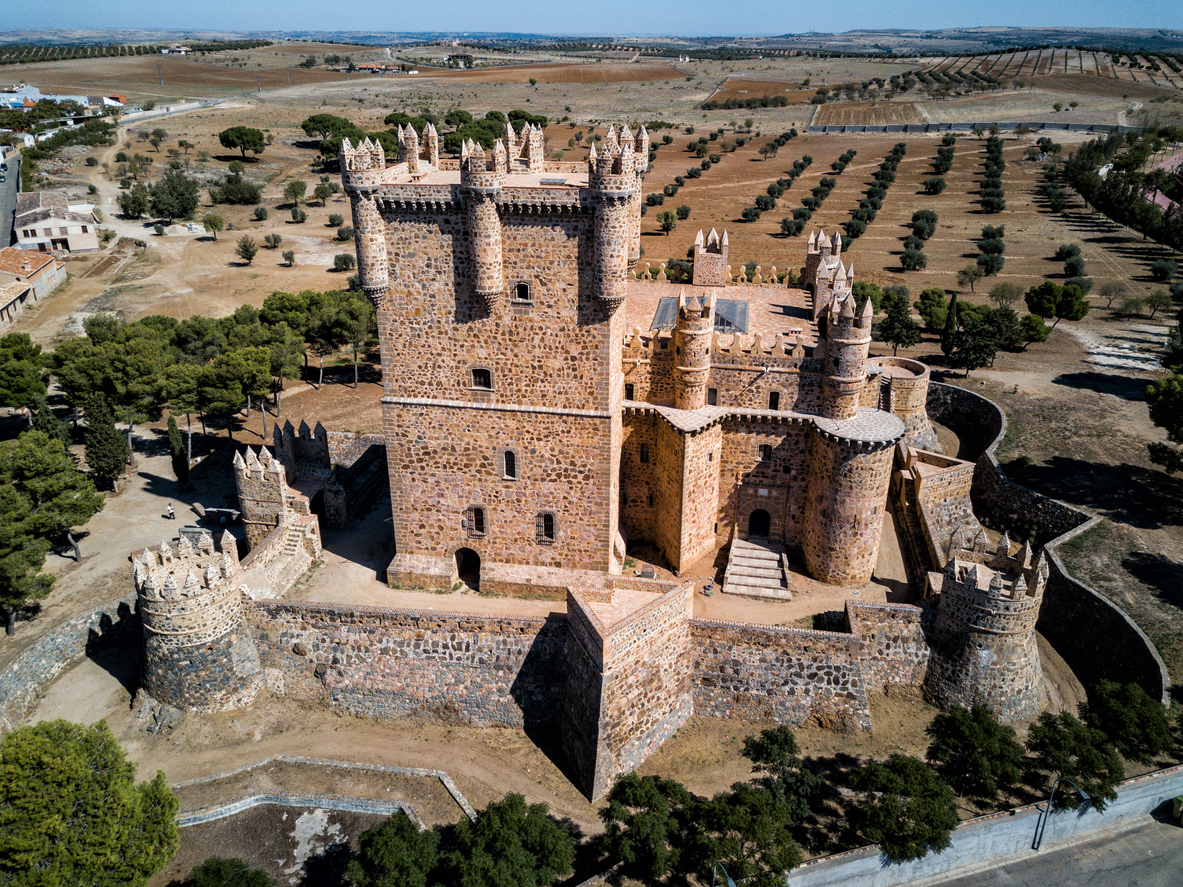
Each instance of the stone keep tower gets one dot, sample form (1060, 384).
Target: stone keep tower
(501, 349)
(693, 332)
(985, 650)
(198, 653)
(850, 454)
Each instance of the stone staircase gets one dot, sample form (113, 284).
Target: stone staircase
(757, 569)
(915, 548)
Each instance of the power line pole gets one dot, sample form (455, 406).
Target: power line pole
(160, 73)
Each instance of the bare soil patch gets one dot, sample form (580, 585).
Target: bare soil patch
(741, 90)
(867, 114)
(604, 73)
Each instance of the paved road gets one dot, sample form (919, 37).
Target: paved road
(8, 198)
(1150, 856)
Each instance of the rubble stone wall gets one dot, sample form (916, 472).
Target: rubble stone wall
(894, 640)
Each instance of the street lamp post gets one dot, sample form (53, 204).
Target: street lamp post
(1041, 826)
(726, 877)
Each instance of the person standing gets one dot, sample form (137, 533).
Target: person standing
(171, 514)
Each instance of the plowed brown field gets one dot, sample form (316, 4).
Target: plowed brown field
(623, 73)
(867, 114)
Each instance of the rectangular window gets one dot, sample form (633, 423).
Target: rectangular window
(644, 452)
(774, 400)
(628, 391)
(765, 452)
(83, 229)
(482, 379)
(474, 521)
(544, 528)
(509, 465)
(713, 397)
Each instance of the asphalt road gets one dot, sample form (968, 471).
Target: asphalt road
(8, 198)
(1150, 856)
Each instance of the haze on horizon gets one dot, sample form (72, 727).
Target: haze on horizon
(690, 18)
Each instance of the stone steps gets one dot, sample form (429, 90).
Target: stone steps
(757, 570)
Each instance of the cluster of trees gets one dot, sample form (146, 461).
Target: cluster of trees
(990, 193)
(730, 104)
(935, 184)
(869, 206)
(1165, 397)
(1074, 266)
(923, 226)
(991, 246)
(174, 196)
(802, 214)
(771, 148)
(1121, 194)
(795, 225)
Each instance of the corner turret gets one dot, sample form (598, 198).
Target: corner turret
(613, 183)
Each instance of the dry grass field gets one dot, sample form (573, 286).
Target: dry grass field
(606, 73)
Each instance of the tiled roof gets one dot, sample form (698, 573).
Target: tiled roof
(13, 261)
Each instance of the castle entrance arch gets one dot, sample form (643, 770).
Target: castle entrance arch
(316, 505)
(468, 568)
(759, 523)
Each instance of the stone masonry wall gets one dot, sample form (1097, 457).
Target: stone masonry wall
(1095, 637)
(743, 474)
(482, 670)
(637, 483)
(700, 494)
(783, 675)
(23, 682)
(894, 638)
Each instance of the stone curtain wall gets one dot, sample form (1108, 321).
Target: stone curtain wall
(894, 642)
(782, 675)
(784, 477)
(346, 448)
(483, 670)
(1095, 636)
(700, 494)
(22, 683)
(637, 477)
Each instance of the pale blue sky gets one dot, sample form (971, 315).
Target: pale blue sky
(688, 17)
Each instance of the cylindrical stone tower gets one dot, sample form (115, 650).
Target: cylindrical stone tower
(641, 164)
(984, 651)
(198, 653)
(612, 182)
(482, 188)
(849, 470)
(844, 375)
(361, 175)
(692, 350)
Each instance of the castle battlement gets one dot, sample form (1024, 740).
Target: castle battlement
(191, 570)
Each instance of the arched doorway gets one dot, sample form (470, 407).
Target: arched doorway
(468, 568)
(759, 523)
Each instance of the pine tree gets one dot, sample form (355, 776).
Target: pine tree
(949, 333)
(176, 447)
(107, 451)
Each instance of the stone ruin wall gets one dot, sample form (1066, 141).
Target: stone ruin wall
(783, 675)
(895, 647)
(481, 670)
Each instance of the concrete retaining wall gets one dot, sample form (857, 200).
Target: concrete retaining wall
(995, 836)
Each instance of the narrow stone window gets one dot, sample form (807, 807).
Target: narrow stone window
(509, 465)
(765, 452)
(644, 452)
(650, 500)
(628, 391)
(482, 379)
(713, 397)
(521, 293)
(774, 400)
(474, 521)
(544, 528)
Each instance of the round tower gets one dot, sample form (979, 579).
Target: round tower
(641, 162)
(198, 652)
(482, 181)
(984, 649)
(844, 371)
(849, 470)
(692, 350)
(612, 181)
(903, 391)
(361, 176)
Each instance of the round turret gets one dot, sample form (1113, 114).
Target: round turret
(198, 653)
(692, 350)
(844, 373)
(984, 649)
(904, 391)
(482, 183)
(612, 181)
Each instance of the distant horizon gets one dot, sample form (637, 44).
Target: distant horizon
(658, 18)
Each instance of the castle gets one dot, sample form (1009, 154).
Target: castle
(546, 401)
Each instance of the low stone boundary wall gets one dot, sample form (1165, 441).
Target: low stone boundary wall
(1004, 126)
(22, 683)
(1095, 636)
(998, 835)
